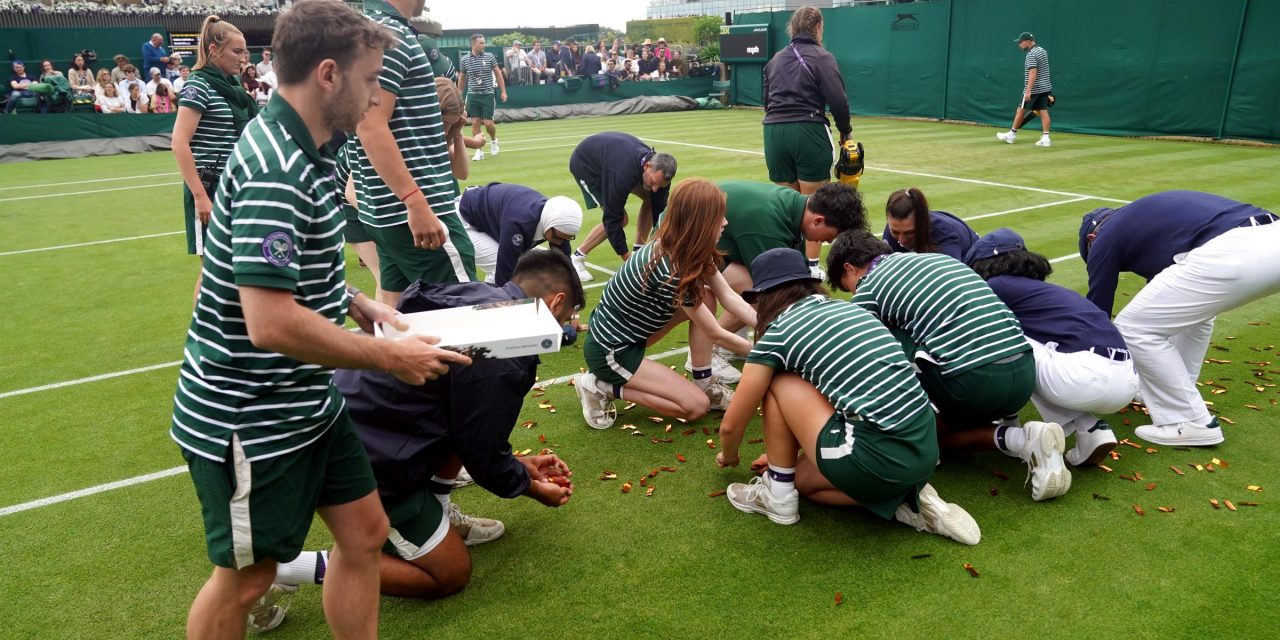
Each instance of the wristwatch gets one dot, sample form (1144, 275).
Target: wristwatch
(353, 292)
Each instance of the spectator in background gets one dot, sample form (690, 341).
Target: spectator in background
(647, 65)
(117, 74)
(157, 80)
(47, 70)
(153, 52)
(590, 63)
(661, 73)
(516, 64)
(629, 69)
(136, 101)
(555, 56)
(109, 101)
(80, 76)
(103, 81)
(611, 68)
(19, 85)
(538, 64)
(570, 58)
(162, 99)
(131, 79)
(173, 70)
(249, 80)
(264, 67)
(662, 52)
(184, 72)
(679, 67)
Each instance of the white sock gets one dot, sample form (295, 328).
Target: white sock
(604, 387)
(1011, 440)
(782, 481)
(307, 568)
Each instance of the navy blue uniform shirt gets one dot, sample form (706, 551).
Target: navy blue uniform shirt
(950, 235)
(1050, 313)
(508, 213)
(611, 164)
(1143, 236)
(801, 82)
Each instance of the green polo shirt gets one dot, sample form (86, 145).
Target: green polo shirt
(761, 217)
(416, 124)
(278, 226)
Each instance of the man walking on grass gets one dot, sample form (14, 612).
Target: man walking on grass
(1036, 91)
(478, 71)
(261, 426)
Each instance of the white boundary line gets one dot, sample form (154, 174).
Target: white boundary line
(72, 383)
(1001, 213)
(116, 179)
(136, 480)
(1063, 258)
(86, 244)
(81, 193)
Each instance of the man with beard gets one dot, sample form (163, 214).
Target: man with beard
(265, 434)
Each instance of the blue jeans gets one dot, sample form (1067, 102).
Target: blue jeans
(13, 99)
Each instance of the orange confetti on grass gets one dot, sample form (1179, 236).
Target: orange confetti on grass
(1151, 486)
(839, 598)
(1229, 505)
(972, 572)
(1138, 509)
(1177, 470)
(716, 494)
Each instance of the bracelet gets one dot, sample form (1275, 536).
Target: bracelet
(410, 194)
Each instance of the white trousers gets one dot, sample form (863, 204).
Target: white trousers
(1169, 323)
(486, 250)
(1072, 388)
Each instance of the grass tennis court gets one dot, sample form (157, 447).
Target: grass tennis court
(98, 296)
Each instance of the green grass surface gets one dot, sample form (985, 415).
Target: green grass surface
(126, 563)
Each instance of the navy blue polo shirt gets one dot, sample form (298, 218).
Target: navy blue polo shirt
(1050, 313)
(611, 165)
(508, 213)
(950, 235)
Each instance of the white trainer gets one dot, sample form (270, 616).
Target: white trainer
(1043, 142)
(720, 368)
(1007, 136)
(269, 611)
(597, 406)
(940, 517)
(463, 479)
(1042, 452)
(475, 530)
(493, 147)
(757, 497)
(818, 272)
(1092, 446)
(719, 394)
(1184, 434)
(580, 265)
(478, 156)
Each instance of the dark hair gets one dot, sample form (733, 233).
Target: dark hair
(311, 31)
(128, 68)
(476, 36)
(911, 203)
(1021, 263)
(840, 206)
(770, 303)
(543, 272)
(858, 248)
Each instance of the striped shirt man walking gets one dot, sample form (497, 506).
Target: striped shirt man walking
(1037, 92)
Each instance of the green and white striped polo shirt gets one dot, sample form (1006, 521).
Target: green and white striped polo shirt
(848, 356)
(416, 124)
(634, 307)
(949, 311)
(216, 133)
(479, 70)
(276, 224)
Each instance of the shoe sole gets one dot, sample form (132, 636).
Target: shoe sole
(951, 521)
(582, 400)
(1096, 456)
(1185, 442)
(780, 519)
(1051, 465)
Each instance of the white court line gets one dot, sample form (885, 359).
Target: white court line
(86, 244)
(71, 383)
(1061, 258)
(116, 179)
(600, 268)
(81, 193)
(136, 480)
(1001, 213)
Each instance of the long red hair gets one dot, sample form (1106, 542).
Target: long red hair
(688, 234)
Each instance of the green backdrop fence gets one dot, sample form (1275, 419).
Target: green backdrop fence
(1137, 67)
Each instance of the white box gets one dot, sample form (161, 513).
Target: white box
(509, 329)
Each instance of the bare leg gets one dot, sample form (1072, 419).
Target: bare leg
(492, 129)
(739, 279)
(444, 571)
(965, 440)
(658, 388)
(700, 344)
(596, 236)
(1017, 119)
(222, 606)
(795, 412)
(475, 127)
(351, 584)
(368, 252)
(1044, 121)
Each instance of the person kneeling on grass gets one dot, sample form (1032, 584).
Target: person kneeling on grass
(416, 436)
(1082, 365)
(968, 349)
(834, 382)
(661, 285)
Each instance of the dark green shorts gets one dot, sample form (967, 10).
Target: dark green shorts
(880, 469)
(402, 264)
(418, 525)
(481, 105)
(272, 517)
(589, 199)
(189, 220)
(614, 366)
(798, 151)
(354, 231)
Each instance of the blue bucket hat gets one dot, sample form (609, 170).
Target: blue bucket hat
(1090, 224)
(777, 267)
(996, 243)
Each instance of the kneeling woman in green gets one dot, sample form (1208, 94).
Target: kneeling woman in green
(967, 347)
(835, 383)
(660, 286)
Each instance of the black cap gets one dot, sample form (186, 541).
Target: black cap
(1089, 226)
(777, 267)
(1024, 36)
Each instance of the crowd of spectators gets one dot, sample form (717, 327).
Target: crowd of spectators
(77, 8)
(612, 62)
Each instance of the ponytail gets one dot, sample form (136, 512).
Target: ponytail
(214, 31)
(911, 203)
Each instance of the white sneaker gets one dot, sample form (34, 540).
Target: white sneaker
(1185, 434)
(757, 497)
(1043, 454)
(475, 530)
(818, 272)
(719, 394)
(1092, 446)
(720, 368)
(597, 407)
(940, 517)
(580, 265)
(1007, 136)
(493, 147)
(463, 479)
(269, 611)
(1043, 142)
(478, 156)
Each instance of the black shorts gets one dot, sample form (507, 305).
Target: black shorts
(1038, 101)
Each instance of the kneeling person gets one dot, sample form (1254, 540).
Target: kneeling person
(506, 220)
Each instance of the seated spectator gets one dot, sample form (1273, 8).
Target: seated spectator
(679, 67)
(136, 101)
(184, 72)
(131, 79)
(570, 59)
(662, 52)
(661, 72)
(538, 64)
(157, 80)
(103, 81)
(117, 74)
(265, 66)
(647, 65)
(590, 65)
(81, 77)
(47, 70)
(173, 70)
(555, 55)
(516, 64)
(629, 70)
(153, 52)
(110, 101)
(19, 86)
(249, 80)
(162, 99)
(268, 83)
